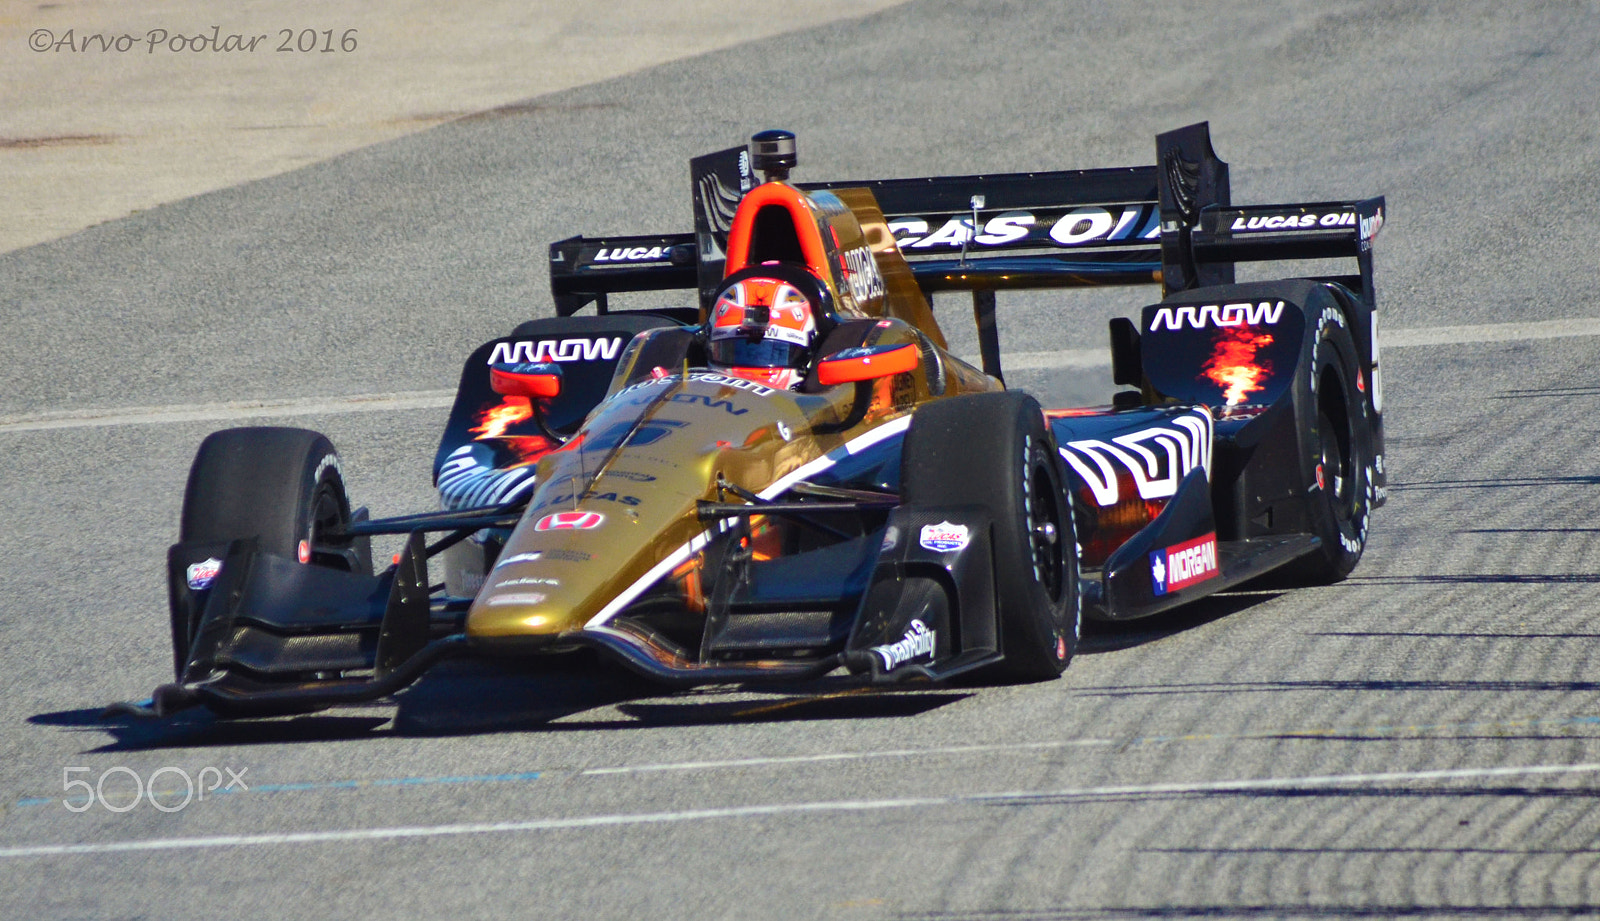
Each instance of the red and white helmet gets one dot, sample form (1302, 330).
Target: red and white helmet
(763, 329)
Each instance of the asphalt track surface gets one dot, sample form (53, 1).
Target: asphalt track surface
(1421, 740)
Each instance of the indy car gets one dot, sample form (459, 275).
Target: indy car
(618, 480)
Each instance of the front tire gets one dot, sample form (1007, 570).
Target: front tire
(994, 450)
(281, 486)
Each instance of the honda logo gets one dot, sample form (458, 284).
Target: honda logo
(570, 521)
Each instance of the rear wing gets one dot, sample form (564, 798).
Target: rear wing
(1172, 223)
(584, 270)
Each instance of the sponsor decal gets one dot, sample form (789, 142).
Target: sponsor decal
(328, 460)
(738, 383)
(630, 476)
(862, 276)
(1156, 458)
(644, 435)
(891, 539)
(570, 521)
(601, 496)
(1086, 226)
(528, 580)
(201, 575)
(546, 350)
(746, 174)
(784, 432)
(1184, 565)
(633, 254)
(1369, 227)
(569, 556)
(701, 399)
(944, 537)
(1199, 316)
(1377, 373)
(516, 598)
(1293, 221)
(708, 377)
(917, 642)
(520, 558)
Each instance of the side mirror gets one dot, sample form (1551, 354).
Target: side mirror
(534, 381)
(867, 363)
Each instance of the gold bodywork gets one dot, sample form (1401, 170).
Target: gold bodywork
(647, 455)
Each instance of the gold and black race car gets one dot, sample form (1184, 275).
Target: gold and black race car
(797, 476)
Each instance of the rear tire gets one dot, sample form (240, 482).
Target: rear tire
(1339, 451)
(280, 486)
(994, 450)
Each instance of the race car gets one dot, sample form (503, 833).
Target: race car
(796, 476)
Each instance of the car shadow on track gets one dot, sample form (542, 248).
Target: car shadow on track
(1101, 637)
(531, 697)
(481, 697)
(198, 728)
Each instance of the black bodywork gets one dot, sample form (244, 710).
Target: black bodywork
(1169, 466)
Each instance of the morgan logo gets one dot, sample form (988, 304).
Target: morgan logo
(570, 521)
(917, 642)
(945, 537)
(544, 350)
(1200, 316)
(1184, 565)
(201, 575)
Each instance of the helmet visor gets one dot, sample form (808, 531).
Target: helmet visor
(739, 352)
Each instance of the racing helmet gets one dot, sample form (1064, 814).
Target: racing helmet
(764, 325)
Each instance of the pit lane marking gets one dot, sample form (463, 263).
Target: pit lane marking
(441, 399)
(1021, 798)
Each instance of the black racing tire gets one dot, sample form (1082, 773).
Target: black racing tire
(1336, 438)
(281, 486)
(995, 450)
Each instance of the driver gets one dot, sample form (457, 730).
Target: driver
(763, 330)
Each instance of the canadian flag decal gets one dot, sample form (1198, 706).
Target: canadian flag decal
(1183, 565)
(569, 521)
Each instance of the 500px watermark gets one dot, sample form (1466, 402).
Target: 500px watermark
(290, 41)
(169, 789)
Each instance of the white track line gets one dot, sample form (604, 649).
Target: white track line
(1488, 332)
(842, 756)
(228, 412)
(1033, 798)
(441, 399)
(1388, 339)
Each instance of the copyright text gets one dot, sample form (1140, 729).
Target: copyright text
(163, 41)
